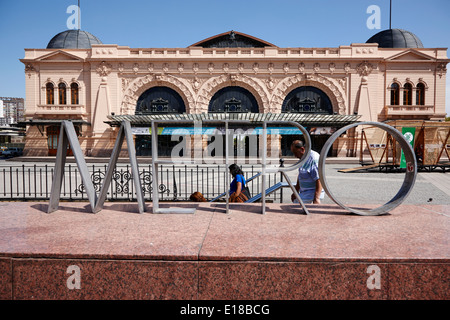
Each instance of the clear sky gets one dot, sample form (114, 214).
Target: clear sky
(180, 23)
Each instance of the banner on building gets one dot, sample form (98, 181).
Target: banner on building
(214, 130)
(409, 134)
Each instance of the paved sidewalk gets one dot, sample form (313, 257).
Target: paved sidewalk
(439, 180)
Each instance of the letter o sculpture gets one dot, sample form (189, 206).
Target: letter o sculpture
(408, 182)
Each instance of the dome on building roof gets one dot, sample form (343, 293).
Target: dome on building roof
(73, 39)
(396, 38)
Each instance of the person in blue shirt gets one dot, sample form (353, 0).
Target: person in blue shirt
(238, 190)
(308, 183)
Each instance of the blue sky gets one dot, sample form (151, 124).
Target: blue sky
(180, 23)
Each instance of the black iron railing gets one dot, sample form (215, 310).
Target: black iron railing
(177, 182)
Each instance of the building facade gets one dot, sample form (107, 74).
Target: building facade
(391, 76)
(11, 110)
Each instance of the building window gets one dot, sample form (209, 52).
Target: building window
(74, 94)
(50, 93)
(62, 93)
(407, 94)
(395, 94)
(307, 99)
(233, 99)
(420, 94)
(160, 100)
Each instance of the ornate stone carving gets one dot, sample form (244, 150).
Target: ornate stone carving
(29, 69)
(196, 83)
(211, 67)
(139, 85)
(270, 67)
(327, 85)
(120, 68)
(125, 82)
(255, 67)
(343, 83)
(271, 83)
(347, 68)
(150, 67)
(180, 67)
(212, 85)
(286, 68)
(332, 67)
(195, 67)
(316, 67)
(241, 67)
(364, 69)
(165, 67)
(301, 67)
(364, 50)
(104, 69)
(136, 68)
(226, 67)
(441, 69)
(233, 78)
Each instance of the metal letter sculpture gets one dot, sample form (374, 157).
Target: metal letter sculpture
(68, 136)
(265, 170)
(408, 182)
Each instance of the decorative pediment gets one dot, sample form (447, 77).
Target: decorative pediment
(59, 55)
(411, 55)
(232, 39)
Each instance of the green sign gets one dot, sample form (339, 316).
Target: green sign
(409, 134)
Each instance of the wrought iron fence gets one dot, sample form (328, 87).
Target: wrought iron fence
(177, 182)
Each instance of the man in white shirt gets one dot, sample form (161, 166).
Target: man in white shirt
(308, 182)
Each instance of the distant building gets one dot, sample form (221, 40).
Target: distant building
(391, 76)
(11, 110)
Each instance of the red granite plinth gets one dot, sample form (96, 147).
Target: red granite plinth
(121, 254)
(5, 279)
(104, 279)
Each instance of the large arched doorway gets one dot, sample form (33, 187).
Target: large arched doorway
(235, 99)
(308, 100)
(158, 100)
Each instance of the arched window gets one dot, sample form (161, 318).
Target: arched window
(160, 100)
(407, 94)
(50, 91)
(74, 98)
(233, 99)
(62, 93)
(420, 94)
(307, 99)
(395, 94)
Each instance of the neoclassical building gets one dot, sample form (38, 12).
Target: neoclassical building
(77, 77)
